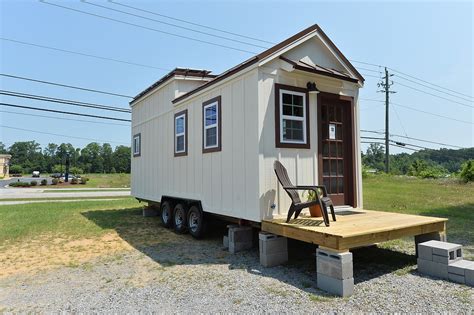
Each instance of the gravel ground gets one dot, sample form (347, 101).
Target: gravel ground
(183, 275)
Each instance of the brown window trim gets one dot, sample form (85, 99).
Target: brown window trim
(139, 135)
(278, 143)
(217, 99)
(185, 113)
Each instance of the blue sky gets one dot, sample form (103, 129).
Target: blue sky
(429, 40)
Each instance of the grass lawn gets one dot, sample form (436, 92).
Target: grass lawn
(28, 221)
(100, 181)
(441, 198)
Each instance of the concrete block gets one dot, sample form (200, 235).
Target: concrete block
(425, 252)
(445, 260)
(342, 257)
(235, 247)
(456, 278)
(335, 286)
(334, 268)
(240, 234)
(460, 267)
(275, 259)
(225, 241)
(469, 277)
(437, 236)
(273, 245)
(433, 269)
(150, 212)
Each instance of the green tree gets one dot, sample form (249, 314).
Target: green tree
(375, 156)
(28, 155)
(106, 153)
(91, 159)
(3, 149)
(467, 171)
(121, 158)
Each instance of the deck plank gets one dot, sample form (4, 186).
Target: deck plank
(356, 228)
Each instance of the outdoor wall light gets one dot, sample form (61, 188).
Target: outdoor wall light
(312, 89)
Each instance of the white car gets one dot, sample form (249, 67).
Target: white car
(36, 174)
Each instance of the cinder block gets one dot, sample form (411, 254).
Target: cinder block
(456, 278)
(235, 247)
(270, 260)
(441, 252)
(273, 245)
(335, 286)
(225, 241)
(469, 277)
(432, 268)
(445, 260)
(342, 257)
(428, 237)
(240, 234)
(460, 267)
(425, 252)
(334, 268)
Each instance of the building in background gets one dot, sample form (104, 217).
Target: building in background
(5, 165)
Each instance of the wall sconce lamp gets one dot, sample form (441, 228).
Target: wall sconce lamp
(312, 89)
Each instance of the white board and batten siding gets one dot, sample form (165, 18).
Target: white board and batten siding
(226, 182)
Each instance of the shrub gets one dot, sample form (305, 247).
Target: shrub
(74, 181)
(467, 171)
(422, 169)
(54, 181)
(44, 182)
(33, 183)
(19, 184)
(84, 180)
(76, 170)
(16, 169)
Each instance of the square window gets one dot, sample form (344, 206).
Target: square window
(211, 137)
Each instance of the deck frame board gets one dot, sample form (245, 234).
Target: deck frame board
(361, 228)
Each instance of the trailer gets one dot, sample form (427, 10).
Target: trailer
(204, 145)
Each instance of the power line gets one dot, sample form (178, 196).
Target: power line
(62, 112)
(63, 85)
(399, 121)
(435, 89)
(61, 135)
(432, 114)
(413, 77)
(147, 28)
(82, 54)
(370, 75)
(411, 138)
(63, 118)
(428, 141)
(191, 23)
(441, 97)
(63, 101)
(174, 25)
(366, 63)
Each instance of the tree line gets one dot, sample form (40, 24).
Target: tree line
(29, 156)
(424, 163)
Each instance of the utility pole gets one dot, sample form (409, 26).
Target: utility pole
(386, 84)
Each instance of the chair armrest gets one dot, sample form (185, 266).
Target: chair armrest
(322, 187)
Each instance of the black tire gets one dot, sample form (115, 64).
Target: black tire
(166, 214)
(196, 222)
(180, 218)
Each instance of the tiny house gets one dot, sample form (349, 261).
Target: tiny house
(205, 144)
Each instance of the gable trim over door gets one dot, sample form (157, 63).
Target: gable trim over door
(349, 140)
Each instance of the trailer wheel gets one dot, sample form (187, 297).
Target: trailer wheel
(196, 222)
(166, 214)
(180, 219)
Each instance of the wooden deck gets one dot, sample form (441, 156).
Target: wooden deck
(355, 228)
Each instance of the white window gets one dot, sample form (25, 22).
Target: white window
(292, 117)
(137, 144)
(180, 144)
(211, 125)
